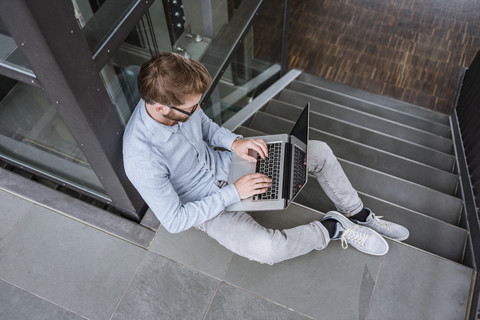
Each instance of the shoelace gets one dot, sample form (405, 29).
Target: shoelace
(382, 224)
(353, 235)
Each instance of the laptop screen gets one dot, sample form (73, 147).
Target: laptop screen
(300, 130)
(299, 172)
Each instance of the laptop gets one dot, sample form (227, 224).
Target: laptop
(285, 165)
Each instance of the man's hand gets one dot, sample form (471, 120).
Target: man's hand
(241, 147)
(252, 184)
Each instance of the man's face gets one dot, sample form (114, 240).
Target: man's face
(176, 115)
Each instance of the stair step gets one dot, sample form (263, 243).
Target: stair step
(366, 136)
(370, 121)
(426, 232)
(367, 156)
(400, 159)
(428, 280)
(404, 193)
(368, 107)
(248, 132)
(375, 98)
(396, 190)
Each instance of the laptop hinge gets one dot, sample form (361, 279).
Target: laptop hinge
(286, 171)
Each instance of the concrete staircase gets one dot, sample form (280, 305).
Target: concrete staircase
(400, 158)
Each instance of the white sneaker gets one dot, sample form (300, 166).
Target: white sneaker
(361, 238)
(385, 228)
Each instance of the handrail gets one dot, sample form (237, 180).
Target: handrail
(227, 41)
(225, 44)
(464, 122)
(234, 122)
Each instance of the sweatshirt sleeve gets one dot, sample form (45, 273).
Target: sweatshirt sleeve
(154, 186)
(215, 135)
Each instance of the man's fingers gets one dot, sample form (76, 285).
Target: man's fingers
(258, 179)
(263, 147)
(263, 185)
(252, 184)
(260, 191)
(260, 186)
(259, 146)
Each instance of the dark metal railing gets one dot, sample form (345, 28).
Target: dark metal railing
(468, 111)
(466, 135)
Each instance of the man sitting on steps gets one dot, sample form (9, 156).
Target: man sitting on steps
(169, 157)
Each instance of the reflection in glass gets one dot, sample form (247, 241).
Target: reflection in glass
(120, 73)
(33, 135)
(254, 66)
(151, 35)
(10, 55)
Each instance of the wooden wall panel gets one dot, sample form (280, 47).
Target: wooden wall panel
(411, 50)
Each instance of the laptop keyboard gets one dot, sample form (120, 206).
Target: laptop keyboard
(270, 167)
(299, 172)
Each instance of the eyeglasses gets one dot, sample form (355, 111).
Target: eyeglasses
(185, 112)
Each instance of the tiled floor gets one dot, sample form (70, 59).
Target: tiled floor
(53, 266)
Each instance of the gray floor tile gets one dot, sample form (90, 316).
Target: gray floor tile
(17, 304)
(416, 285)
(150, 221)
(193, 248)
(233, 303)
(69, 263)
(77, 209)
(13, 209)
(163, 289)
(329, 284)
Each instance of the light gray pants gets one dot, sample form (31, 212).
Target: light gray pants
(238, 232)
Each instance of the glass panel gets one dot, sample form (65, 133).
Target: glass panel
(151, 35)
(197, 24)
(120, 79)
(10, 55)
(120, 73)
(185, 26)
(33, 135)
(255, 65)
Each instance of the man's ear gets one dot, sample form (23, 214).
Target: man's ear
(159, 107)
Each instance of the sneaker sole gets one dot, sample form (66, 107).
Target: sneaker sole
(396, 239)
